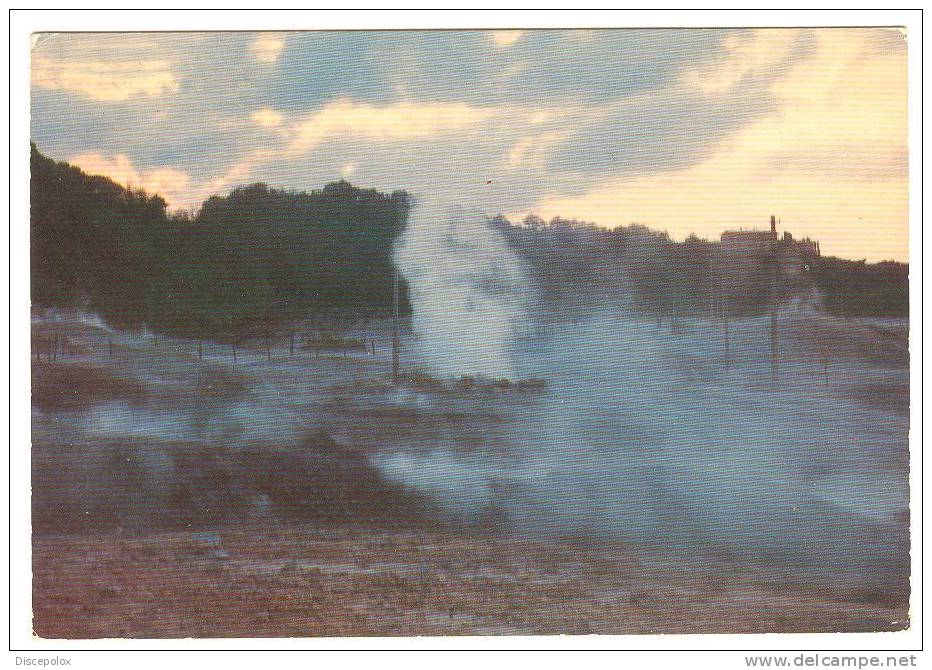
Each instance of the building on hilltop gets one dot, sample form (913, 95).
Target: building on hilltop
(758, 267)
(766, 242)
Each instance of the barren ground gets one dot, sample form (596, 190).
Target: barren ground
(297, 582)
(140, 449)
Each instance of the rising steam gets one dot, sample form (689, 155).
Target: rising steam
(468, 290)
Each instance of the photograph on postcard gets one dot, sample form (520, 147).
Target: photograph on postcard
(469, 332)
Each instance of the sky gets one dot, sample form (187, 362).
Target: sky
(687, 131)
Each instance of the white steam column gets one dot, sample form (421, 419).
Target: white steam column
(468, 292)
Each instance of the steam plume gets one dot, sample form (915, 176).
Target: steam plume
(468, 290)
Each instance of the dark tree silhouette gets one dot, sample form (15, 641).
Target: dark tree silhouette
(259, 260)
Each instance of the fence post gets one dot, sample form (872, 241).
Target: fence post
(396, 336)
(774, 353)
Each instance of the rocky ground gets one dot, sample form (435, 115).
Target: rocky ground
(296, 582)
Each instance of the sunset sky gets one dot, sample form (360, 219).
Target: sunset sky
(689, 131)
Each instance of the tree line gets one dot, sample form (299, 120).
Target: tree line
(578, 263)
(245, 263)
(258, 259)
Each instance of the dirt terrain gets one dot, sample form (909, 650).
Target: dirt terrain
(297, 582)
(181, 492)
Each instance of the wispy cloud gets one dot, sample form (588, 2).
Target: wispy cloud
(267, 47)
(505, 38)
(171, 184)
(830, 158)
(105, 81)
(402, 121)
(744, 55)
(267, 118)
(533, 151)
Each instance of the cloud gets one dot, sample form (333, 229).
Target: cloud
(680, 129)
(267, 47)
(105, 81)
(345, 119)
(534, 151)
(857, 162)
(505, 38)
(675, 126)
(169, 183)
(178, 189)
(517, 152)
(267, 118)
(829, 159)
(236, 175)
(549, 67)
(745, 54)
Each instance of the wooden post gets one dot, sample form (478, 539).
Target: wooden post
(395, 335)
(719, 300)
(727, 346)
(774, 368)
(372, 344)
(110, 345)
(233, 347)
(773, 314)
(723, 303)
